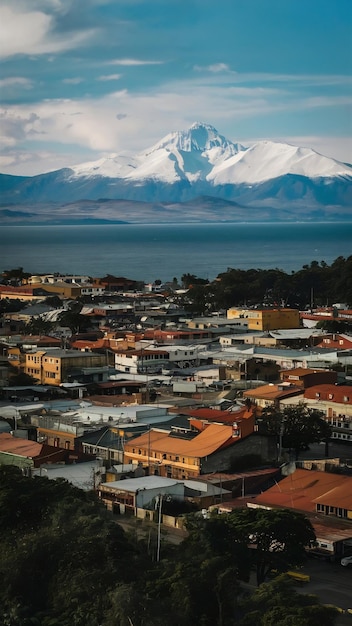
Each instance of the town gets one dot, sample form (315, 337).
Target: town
(164, 409)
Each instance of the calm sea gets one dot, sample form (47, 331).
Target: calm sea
(150, 252)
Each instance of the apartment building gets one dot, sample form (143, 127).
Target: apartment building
(266, 319)
(53, 367)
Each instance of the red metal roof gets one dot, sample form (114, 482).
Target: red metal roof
(304, 488)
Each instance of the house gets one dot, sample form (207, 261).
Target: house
(307, 377)
(149, 358)
(210, 443)
(143, 495)
(86, 475)
(272, 395)
(182, 336)
(23, 293)
(113, 283)
(60, 431)
(336, 403)
(126, 496)
(53, 367)
(335, 313)
(25, 453)
(267, 318)
(58, 288)
(324, 497)
(337, 341)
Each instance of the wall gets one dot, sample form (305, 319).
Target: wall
(256, 444)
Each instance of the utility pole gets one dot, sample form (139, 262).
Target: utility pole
(159, 505)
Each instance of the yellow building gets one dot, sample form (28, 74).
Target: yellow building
(266, 319)
(52, 367)
(61, 289)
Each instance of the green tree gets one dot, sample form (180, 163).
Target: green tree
(278, 538)
(277, 603)
(296, 426)
(39, 326)
(60, 553)
(73, 318)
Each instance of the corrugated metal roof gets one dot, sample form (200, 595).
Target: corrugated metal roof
(304, 488)
(21, 447)
(144, 482)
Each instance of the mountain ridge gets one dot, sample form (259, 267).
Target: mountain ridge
(197, 163)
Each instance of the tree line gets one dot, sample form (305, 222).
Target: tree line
(317, 284)
(65, 561)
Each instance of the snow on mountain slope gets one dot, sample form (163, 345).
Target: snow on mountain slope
(192, 164)
(183, 155)
(267, 160)
(200, 153)
(113, 166)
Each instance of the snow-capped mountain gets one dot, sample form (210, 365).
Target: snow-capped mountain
(200, 153)
(194, 163)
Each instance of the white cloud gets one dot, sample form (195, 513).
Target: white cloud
(73, 81)
(122, 121)
(32, 32)
(14, 81)
(110, 77)
(133, 62)
(215, 68)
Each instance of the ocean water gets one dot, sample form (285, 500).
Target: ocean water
(151, 252)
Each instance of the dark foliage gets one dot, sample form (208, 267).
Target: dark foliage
(64, 561)
(317, 284)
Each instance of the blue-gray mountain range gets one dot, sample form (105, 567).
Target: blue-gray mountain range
(196, 174)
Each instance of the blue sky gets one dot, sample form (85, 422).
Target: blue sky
(81, 79)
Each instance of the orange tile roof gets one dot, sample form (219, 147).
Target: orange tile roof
(338, 393)
(206, 442)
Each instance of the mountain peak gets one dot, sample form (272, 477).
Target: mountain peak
(199, 137)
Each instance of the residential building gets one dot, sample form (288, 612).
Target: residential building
(210, 443)
(335, 401)
(324, 497)
(148, 358)
(306, 377)
(25, 453)
(337, 341)
(272, 395)
(144, 496)
(113, 283)
(53, 367)
(129, 495)
(267, 318)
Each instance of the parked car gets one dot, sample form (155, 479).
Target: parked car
(347, 560)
